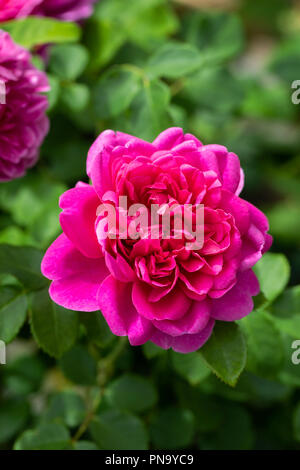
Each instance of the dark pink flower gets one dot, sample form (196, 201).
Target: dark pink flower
(23, 120)
(11, 9)
(157, 289)
(68, 10)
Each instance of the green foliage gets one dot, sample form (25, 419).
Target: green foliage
(49, 436)
(273, 272)
(174, 60)
(32, 31)
(66, 407)
(13, 309)
(79, 366)
(172, 428)
(68, 61)
(54, 328)
(190, 366)
(225, 352)
(265, 352)
(115, 91)
(131, 393)
(116, 430)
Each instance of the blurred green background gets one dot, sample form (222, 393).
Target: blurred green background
(223, 70)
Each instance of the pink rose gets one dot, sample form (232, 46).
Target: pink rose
(68, 10)
(10, 9)
(23, 120)
(157, 289)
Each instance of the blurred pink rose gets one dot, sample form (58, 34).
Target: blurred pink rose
(68, 10)
(157, 289)
(10, 9)
(23, 121)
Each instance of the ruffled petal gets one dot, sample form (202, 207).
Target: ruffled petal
(115, 302)
(78, 219)
(238, 302)
(185, 343)
(170, 307)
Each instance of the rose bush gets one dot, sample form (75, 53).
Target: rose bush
(23, 120)
(158, 290)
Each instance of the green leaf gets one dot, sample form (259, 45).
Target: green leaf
(54, 328)
(285, 59)
(53, 94)
(131, 393)
(74, 96)
(34, 31)
(190, 366)
(234, 433)
(296, 422)
(79, 366)
(273, 272)
(24, 263)
(213, 88)
(116, 430)
(225, 352)
(143, 23)
(151, 350)
(115, 91)
(265, 348)
(172, 428)
(218, 35)
(149, 110)
(96, 327)
(33, 204)
(68, 61)
(23, 375)
(13, 417)
(286, 311)
(13, 309)
(174, 60)
(67, 407)
(50, 436)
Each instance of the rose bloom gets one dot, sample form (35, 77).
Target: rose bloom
(23, 120)
(69, 10)
(157, 289)
(10, 9)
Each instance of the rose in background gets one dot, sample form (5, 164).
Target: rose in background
(10, 9)
(158, 290)
(23, 120)
(68, 10)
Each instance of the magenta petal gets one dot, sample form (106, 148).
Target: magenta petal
(185, 343)
(170, 307)
(169, 138)
(78, 218)
(238, 208)
(119, 268)
(115, 302)
(194, 320)
(98, 162)
(62, 259)
(237, 303)
(76, 279)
